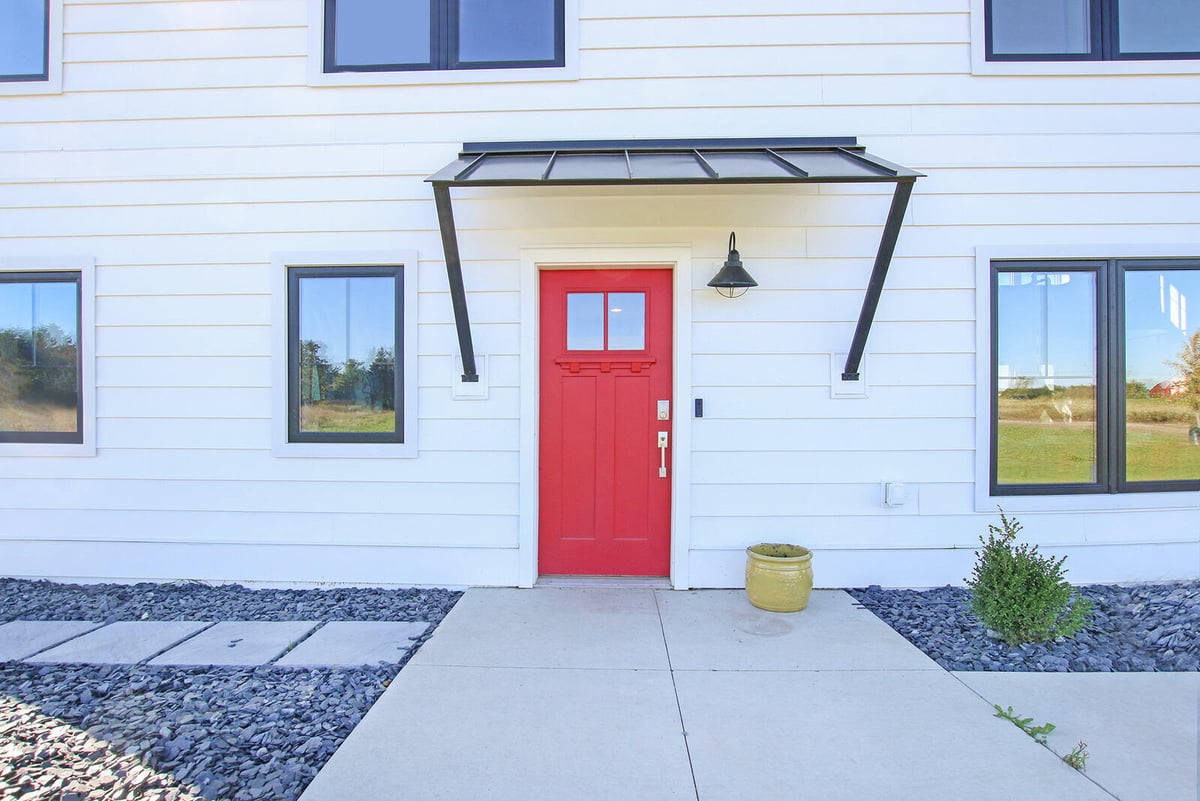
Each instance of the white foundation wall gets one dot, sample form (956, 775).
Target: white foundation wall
(187, 147)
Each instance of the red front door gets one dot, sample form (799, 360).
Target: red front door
(605, 466)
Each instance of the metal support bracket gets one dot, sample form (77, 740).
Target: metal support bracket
(458, 295)
(883, 259)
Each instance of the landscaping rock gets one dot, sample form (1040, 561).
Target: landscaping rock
(187, 733)
(1147, 627)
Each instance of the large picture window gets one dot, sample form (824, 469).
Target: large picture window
(389, 35)
(24, 40)
(346, 354)
(1092, 30)
(1095, 376)
(40, 360)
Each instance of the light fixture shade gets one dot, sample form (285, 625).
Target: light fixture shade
(732, 280)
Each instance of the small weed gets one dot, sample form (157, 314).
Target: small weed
(1038, 733)
(1078, 757)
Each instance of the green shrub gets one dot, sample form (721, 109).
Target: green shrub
(1020, 593)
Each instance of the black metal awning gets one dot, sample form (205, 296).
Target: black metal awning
(673, 161)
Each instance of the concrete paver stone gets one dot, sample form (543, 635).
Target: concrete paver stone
(355, 643)
(237, 642)
(123, 643)
(1140, 728)
(21, 639)
(721, 630)
(515, 734)
(901, 735)
(550, 628)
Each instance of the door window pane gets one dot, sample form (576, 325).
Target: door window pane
(1162, 375)
(627, 321)
(1041, 26)
(1159, 26)
(22, 38)
(381, 32)
(585, 321)
(347, 354)
(39, 356)
(1046, 378)
(506, 30)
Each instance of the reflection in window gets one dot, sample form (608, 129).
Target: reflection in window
(1045, 378)
(1159, 26)
(387, 35)
(39, 357)
(344, 354)
(1041, 26)
(511, 31)
(23, 40)
(1162, 376)
(369, 32)
(585, 321)
(1103, 30)
(626, 321)
(606, 321)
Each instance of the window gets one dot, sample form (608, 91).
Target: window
(1092, 30)
(345, 354)
(24, 40)
(391, 35)
(1095, 376)
(606, 321)
(40, 364)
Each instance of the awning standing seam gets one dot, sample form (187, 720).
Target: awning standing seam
(675, 161)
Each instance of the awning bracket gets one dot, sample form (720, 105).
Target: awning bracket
(458, 295)
(883, 258)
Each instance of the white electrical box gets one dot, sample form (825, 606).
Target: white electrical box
(894, 493)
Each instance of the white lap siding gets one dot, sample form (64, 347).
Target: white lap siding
(187, 147)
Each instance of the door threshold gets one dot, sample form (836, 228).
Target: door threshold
(605, 582)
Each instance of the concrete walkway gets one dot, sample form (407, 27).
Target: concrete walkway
(647, 694)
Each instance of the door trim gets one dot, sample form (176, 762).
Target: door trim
(678, 259)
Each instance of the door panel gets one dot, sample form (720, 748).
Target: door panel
(605, 364)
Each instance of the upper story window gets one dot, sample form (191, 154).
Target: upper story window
(1092, 30)
(41, 375)
(393, 35)
(1095, 376)
(24, 40)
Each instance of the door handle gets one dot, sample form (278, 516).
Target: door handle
(662, 454)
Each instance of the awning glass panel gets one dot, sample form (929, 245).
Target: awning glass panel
(732, 166)
(677, 166)
(590, 167)
(827, 165)
(520, 168)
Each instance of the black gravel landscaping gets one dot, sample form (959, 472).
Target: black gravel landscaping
(182, 733)
(1136, 628)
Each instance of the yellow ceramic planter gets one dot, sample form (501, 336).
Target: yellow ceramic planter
(779, 577)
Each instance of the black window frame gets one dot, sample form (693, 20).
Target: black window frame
(294, 275)
(1110, 375)
(1105, 40)
(443, 44)
(44, 75)
(55, 277)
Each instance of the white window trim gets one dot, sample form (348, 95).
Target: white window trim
(984, 500)
(86, 267)
(52, 85)
(981, 66)
(318, 77)
(280, 262)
